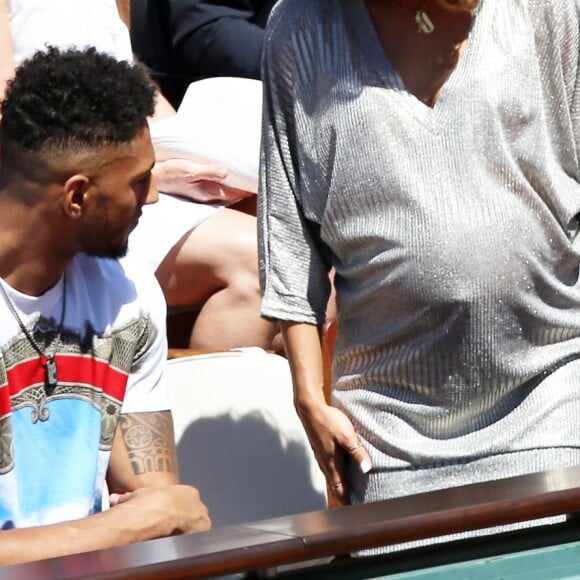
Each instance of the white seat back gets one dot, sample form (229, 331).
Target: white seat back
(239, 439)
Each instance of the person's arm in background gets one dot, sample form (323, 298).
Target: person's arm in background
(216, 39)
(6, 52)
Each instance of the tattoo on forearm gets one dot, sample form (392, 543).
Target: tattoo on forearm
(149, 440)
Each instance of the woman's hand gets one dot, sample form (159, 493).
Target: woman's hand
(333, 438)
(201, 182)
(330, 432)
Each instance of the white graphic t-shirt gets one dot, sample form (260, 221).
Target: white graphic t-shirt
(55, 443)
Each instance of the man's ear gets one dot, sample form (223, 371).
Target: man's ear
(75, 190)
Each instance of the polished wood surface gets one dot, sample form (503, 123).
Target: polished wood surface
(275, 542)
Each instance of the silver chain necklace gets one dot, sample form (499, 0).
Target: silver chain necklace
(46, 359)
(424, 23)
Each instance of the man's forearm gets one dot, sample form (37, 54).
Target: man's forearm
(144, 514)
(104, 530)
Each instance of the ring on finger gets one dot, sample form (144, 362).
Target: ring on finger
(336, 485)
(353, 448)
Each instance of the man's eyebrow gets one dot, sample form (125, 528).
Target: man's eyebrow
(146, 171)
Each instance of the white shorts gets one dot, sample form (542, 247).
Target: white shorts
(163, 224)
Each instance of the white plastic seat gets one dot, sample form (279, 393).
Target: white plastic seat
(239, 439)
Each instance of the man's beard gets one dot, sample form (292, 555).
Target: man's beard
(95, 240)
(111, 252)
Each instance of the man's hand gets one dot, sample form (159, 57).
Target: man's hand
(202, 182)
(169, 510)
(144, 514)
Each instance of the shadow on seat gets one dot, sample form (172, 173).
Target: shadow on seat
(239, 439)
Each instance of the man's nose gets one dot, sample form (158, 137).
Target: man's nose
(152, 192)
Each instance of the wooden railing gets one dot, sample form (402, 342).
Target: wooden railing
(271, 545)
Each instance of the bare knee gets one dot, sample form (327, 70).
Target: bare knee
(242, 278)
(220, 254)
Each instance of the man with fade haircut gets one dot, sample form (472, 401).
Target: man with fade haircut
(82, 391)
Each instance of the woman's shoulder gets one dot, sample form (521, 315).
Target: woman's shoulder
(299, 26)
(286, 14)
(293, 7)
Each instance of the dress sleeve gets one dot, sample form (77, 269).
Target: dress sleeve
(293, 270)
(557, 36)
(575, 109)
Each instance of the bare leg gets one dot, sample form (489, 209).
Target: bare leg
(216, 265)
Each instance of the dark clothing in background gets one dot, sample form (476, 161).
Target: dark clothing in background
(217, 37)
(182, 41)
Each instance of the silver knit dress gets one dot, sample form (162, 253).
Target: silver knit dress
(453, 231)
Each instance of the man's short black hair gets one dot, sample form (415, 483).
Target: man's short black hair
(60, 101)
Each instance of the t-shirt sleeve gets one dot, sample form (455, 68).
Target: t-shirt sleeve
(147, 385)
(293, 270)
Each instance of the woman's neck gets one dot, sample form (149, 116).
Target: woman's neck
(424, 59)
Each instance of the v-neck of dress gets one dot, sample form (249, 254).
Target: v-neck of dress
(430, 117)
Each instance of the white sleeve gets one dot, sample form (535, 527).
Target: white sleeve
(147, 386)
